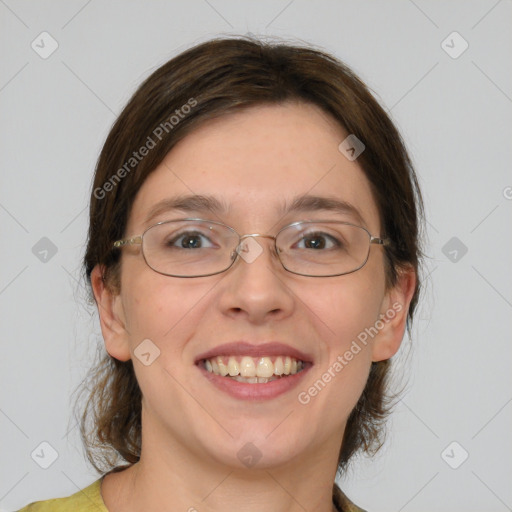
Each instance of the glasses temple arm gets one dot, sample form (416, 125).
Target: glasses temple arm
(135, 240)
(380, 241)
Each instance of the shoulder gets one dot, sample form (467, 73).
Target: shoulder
(342, 503)
(86, 500)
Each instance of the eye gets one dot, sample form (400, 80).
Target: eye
(318, 240)
(189, 240)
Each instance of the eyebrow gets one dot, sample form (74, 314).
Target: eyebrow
(187, 203)
(321, 203)
(201, 203)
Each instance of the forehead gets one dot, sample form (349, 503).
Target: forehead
(255, 164)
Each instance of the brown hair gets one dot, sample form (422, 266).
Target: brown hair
(210, 80)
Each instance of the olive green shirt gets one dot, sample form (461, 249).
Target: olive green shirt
(89, 500)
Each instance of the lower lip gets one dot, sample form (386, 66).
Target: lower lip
(263, 391)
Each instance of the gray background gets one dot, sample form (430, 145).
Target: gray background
(455, 114)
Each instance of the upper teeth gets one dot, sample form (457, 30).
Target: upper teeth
(257, 367)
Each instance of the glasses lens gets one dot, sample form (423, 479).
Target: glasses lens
(323, 248)
(189, 248)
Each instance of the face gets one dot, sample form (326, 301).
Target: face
(255, 163)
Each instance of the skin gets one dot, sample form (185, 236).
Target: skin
(191, 432)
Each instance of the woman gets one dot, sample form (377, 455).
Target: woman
(253, 253)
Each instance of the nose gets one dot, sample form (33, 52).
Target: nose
(255, 287)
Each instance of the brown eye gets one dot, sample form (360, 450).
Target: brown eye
(188, 240)
(319, 240)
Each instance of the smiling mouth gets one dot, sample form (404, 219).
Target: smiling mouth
(257, 370)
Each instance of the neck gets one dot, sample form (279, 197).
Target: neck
(169, 474)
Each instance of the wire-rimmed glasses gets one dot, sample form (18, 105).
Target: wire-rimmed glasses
(197, 247)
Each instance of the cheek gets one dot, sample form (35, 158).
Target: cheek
(164, 310)
(348, 305)
(342, 371)
(152, 305)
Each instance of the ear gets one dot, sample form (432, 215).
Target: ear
(393, 316)
(112, 321)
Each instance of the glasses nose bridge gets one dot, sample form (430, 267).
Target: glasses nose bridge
(255, 235)
(243, 237)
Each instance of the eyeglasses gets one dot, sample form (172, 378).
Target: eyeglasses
(199, 248)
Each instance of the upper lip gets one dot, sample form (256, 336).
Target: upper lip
(243, 348)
